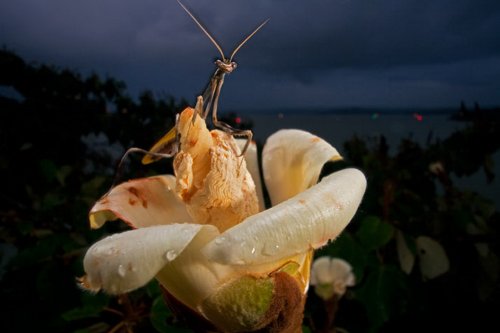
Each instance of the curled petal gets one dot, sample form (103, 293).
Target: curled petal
(191, 277)
(305, 221)
(123, 262)
(253, 167)
(292, 161)
(141, 203)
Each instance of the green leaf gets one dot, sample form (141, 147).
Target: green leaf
(93, 186)
(153, 289)
(374, 233)
(93, 304)
(63, 173)
(48, 169)
(159, 315)
(384, 294)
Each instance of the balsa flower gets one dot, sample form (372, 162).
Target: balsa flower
(331, 277)
(204, 233)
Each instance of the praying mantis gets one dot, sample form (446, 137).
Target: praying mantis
(167, 146)
(207, 103)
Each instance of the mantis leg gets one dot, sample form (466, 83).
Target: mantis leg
(208, 96)
(155, 156)
(226, 127)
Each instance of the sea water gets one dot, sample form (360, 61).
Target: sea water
(337, 128)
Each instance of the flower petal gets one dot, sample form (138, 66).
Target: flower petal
(433, 259)
(305, 221)
(292, 161)
(253, 167)
(141, 203)
(192, 277)
(126, 261)
(341, 272)
(405, 256)
(320, 271)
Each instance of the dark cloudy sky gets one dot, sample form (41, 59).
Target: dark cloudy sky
(312, 53)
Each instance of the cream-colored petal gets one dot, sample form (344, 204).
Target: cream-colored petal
(331, 270)
(308, 220)
(320, 271)
(292, 161)
(141, 203)
(432, 256)
(341, 271)
(192, 277)
(253, 167)
(405, 256)
(126, 261)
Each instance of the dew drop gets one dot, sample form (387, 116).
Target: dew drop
(171, 255)
(121, 270)
(253, 250)
(270, 249)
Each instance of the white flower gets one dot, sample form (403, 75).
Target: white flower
(331, 276)
(205, 236)
(436, 168)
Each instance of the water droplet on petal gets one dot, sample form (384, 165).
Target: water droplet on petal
(121, 270)
(171, 255)
(270, 249)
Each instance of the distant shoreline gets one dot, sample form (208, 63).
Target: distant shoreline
(347, 110)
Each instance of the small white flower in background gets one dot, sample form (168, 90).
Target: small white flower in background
(331, 276)
(436, 168)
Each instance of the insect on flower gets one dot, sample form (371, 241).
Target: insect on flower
(204, 232)
(207, 103)
(167, 146)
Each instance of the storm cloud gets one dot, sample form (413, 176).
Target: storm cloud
(317, 53)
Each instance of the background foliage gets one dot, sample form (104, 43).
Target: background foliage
(61, 135)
